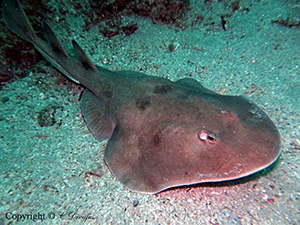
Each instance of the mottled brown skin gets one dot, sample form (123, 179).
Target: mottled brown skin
(161, 133)
(158, 146)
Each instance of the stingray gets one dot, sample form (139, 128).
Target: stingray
(162, 134)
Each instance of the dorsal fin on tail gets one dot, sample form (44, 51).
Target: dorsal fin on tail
(53, 41)
(16, 20)
(84, 59)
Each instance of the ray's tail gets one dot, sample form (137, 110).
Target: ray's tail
(16, 20)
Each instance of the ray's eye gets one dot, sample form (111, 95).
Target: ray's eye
(207, 136)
